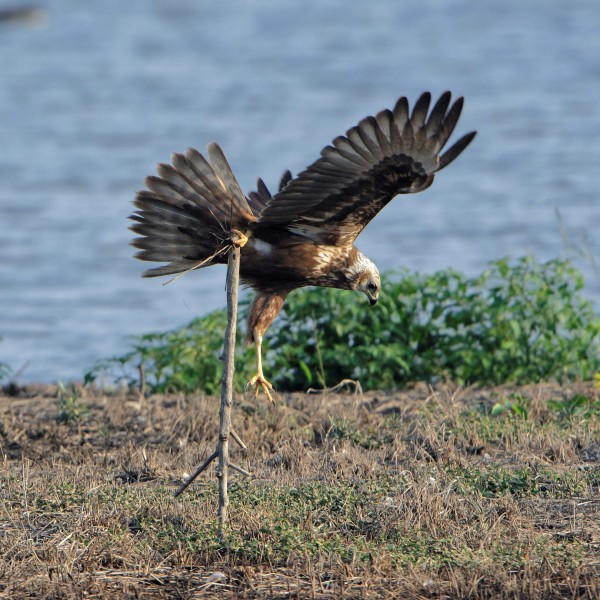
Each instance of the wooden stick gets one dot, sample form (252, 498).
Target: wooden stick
(233, 279)
(237, 438)
(240, 470)
(198, 471)
(228, 357)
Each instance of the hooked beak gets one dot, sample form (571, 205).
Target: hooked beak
(372, 297)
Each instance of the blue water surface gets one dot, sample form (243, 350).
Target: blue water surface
(95, 95)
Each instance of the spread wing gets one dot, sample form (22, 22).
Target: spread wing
(395, 152)
(260, 198)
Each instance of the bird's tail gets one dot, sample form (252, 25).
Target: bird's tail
(186, 214)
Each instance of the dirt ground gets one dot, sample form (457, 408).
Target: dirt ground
(422, 493)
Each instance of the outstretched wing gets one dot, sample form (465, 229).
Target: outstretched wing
(260, 198)
(395, 152)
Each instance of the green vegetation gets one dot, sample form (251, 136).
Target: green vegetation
(519, 322)
(185, 359)
(71, 408)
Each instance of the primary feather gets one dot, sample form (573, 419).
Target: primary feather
(395, 152)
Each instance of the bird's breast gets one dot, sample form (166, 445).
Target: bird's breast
(303, 263)
(260, 247)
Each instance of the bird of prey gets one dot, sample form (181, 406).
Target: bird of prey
(304, 234)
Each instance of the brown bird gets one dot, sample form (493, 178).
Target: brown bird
(304, 234)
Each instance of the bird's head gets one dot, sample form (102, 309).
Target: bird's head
(367, 278)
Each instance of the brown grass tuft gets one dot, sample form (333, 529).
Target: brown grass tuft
(425, 493)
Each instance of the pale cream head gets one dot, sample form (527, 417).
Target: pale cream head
(366, 278)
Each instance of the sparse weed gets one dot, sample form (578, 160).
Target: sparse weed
(339, 429)
(521, 482)
(184, 359)
(72, 410)
(516, 405)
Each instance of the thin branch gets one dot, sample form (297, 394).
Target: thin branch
(237, 438)
(240, 470)
(237, 240)
(198, 471)
(338, 387)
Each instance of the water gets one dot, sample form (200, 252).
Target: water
(100, 92)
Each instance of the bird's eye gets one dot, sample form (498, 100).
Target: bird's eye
(371, 287)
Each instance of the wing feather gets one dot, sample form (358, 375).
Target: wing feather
(347, 150)
(367, 132)
(455, 150)
(395, 152)
(260, 198)
(186, 211)
(420, 110)
(401, 112)
(285, 179)
(223, 171)
(358, 145)
(438, 112)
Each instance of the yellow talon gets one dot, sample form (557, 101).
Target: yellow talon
(238, 239)
(259, 381)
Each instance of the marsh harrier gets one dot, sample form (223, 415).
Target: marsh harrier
(304, 234)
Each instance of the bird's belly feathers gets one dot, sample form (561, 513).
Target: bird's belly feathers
(266, 265)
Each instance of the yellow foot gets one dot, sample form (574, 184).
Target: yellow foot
(238, 239)
(259, 381)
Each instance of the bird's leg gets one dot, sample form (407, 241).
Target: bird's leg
(238, 239)
(259, 380)
(264, 309)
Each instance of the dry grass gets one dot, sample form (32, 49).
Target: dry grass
(415, 494)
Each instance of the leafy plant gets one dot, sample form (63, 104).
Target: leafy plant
(72, 410)
(518, 322)
(4, 371)
(515, 405)
(521, 482)
(183, 359)
(577, 406)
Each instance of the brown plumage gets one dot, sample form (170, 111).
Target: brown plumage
(304, 234)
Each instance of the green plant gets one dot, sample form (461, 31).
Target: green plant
(577, 406)
(515, 405)
(69, 401)
(183, 359)
(521, 322)
(4, 371)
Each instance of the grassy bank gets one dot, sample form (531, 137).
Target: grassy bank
(422, 493)
(520, 321)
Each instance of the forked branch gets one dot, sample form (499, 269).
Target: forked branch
(225, 431)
